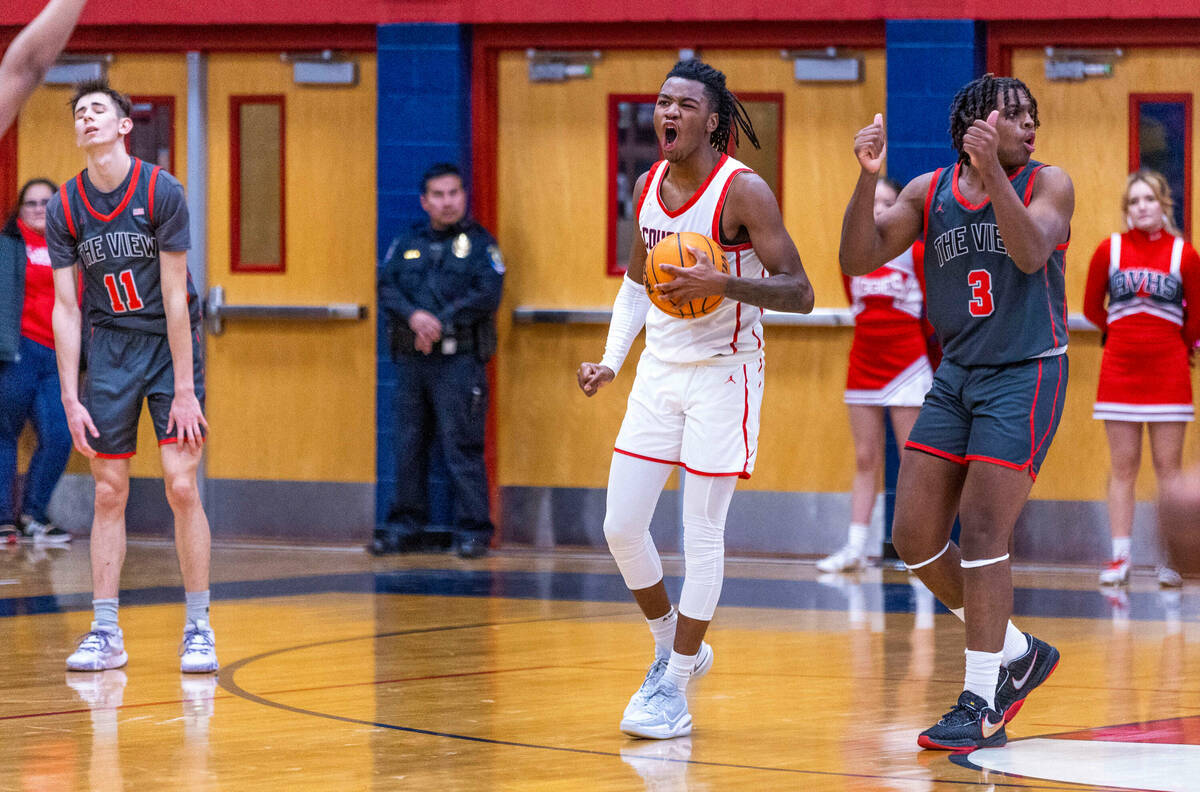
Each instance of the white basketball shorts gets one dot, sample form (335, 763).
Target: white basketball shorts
(702, 416)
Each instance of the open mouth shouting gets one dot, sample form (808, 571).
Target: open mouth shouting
(1028, 143)
(670, 136)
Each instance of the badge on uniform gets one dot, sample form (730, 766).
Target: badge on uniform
(412, 254)
(497, 259)
(461, 247)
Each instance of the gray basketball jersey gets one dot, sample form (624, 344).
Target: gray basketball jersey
(985, 310)
(116, 237)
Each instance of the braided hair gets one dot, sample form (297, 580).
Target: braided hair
(731, 114)
(977, 99)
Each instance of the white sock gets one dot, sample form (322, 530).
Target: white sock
(1015, 644)
(857, 538)
(663, 630)
(1122, 547)
(983, 672)
(960, 613)
(679, 669)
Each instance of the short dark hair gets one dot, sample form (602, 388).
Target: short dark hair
(100, 85)
(731, 115)
(977, 99)
(438, 170)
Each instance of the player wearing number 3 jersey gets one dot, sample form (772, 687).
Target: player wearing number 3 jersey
(995, 226)
(125, 223)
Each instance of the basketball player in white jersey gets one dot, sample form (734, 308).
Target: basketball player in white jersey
(32, 53)
(696, 397)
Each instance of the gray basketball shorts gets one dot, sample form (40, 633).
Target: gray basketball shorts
(1003, 415)
(123, 369)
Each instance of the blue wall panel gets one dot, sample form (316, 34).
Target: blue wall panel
(927, 61)
(422, 117)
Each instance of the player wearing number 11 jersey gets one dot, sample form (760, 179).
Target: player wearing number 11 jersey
(996, 225)
(125, 223)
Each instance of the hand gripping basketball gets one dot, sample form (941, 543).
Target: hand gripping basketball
(690, 295)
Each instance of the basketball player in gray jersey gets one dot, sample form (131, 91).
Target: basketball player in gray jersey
(32, 53)
(996, 225)
(125, 222)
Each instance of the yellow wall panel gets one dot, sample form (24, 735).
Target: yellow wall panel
(296, 401)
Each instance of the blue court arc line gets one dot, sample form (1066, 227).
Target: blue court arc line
(877, 597)
(229, 683)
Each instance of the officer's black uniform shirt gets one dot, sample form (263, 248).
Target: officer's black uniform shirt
(456, 274)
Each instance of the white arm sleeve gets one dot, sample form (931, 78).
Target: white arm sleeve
(628, 317)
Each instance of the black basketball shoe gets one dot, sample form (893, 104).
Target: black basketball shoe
(1023, 675)
(969, 725)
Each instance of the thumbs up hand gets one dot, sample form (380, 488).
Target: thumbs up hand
(981, 141)
(870, 145)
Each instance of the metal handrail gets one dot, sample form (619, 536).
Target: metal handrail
(820, 317)
(217, 311)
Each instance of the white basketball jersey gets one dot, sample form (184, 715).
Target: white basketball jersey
(732, 331)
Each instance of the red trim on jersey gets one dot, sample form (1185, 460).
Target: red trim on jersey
(1045, 279)
(133, 181)
(1029, 187)
(173, 439)
(695, 196)
(640, 456)
(1037, 388)
(1050, 306)
(742, 474)
(936, 452)
(737, 319)
(153, 181)
(115, 456)
(67, 211)
(1004, 464)
(746, 419)
(929, 197)
(1053, 408)
(646, 188)
(716, 225)
(959, 196)
(967, 204)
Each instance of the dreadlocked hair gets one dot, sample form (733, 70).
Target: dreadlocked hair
(978, 98)
(731, 114)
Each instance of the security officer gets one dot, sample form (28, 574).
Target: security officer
(440, 288)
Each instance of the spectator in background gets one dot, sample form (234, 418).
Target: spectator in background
(889, 372)
(440, 287)
(29, 386)
(1143, 292)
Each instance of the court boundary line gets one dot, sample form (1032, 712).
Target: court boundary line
(228, 683)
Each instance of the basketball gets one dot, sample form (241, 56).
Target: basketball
(673, 250)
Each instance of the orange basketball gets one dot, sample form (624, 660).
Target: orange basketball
(673, 250)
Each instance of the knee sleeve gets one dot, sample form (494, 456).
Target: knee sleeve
(633, 489)
(705, 504)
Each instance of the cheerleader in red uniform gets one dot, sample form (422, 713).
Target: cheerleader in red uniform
(889, 369)
(1150, 279)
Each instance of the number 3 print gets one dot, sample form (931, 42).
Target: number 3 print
(981, 293)
(132, 301)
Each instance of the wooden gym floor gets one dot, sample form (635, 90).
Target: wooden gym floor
(340, 671)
